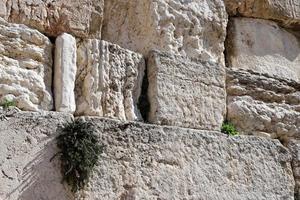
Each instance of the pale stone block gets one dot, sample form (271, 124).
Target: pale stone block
(260, 103)
(287, 12)
(185, 93)
(65, 73)
(25, 67)
(81, 18)
(196, 29)
(263, 46)
(109, 80)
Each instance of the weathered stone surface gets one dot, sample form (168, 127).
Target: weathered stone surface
(27, 145)
(196, 29)
(65, 73)
(25, 67)
(285, 11)
(109, 80)
(294, 146)
(81, 18)
(264, 47)
(260, 104)
(152, 162)
(185, 93)
(142, 161)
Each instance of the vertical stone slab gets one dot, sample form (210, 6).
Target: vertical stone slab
(109, 80)
(263, 46)
(65, 73)
(185, 93)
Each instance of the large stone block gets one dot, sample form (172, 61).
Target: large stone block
(285, 11)
(109, 80)
(294, 146)
(27, 145)
(25, 67)
(263, 46)
(151, 162)
(65, 73)
(185, 93)
(142, 161)
(196, 29)
(81, 18)
(262, 105)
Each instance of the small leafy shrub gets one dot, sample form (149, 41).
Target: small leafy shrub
(8, 103)
(229, 129)
(80, 150)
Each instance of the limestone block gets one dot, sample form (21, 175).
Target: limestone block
(143, 161)
(294, 146)
(285, 11)
(65, 73)
(109, 80)
(259, 103)
(185, 93)
(152, 162)
(27, 144)
(25, 67)
(263, 46)
(196, 29)
(81, 18)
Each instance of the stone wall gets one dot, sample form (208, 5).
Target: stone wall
(143, 161)
(184, 64)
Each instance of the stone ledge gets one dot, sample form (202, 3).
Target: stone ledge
(142, 161)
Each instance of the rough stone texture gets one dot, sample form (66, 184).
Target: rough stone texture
(142, 161)
(262, 105)
(152, 162)
(65, 73)
(294, 146)
(109, 80)
(185, 93)
(25, 67)
(26, 146)
(285, 11)
(263, 46)
(81, 18)
(196, 29)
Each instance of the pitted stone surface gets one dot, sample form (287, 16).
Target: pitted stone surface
(153, 162)
(196, 29)
(285, 11)
(263, 105)
(81, 18)
(109, 80)
(263, 46)
(185, 93)
(141, 161)
(65, 73)
(25, 67)
(27, 145)
(294, 146)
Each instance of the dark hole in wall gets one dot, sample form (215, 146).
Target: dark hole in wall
(143, 103)
(52, 39)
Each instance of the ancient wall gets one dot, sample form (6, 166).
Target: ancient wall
(170, 72)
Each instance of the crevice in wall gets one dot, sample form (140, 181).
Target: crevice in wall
(143, 103)
(52, 39)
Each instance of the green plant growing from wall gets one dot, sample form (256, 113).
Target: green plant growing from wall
(80, 150)
(8, 103)
(229, 129)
